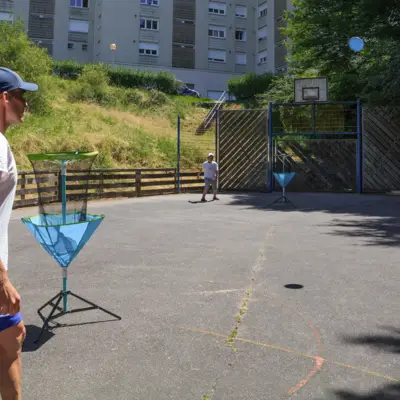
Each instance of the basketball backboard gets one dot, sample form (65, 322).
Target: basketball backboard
(310, 90)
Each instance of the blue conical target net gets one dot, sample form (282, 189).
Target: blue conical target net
(63, 240)
(284, 178)
(63, 226)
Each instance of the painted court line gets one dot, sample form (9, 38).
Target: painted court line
(294, 352)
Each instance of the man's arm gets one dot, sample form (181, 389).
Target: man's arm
(9, 297)
(200, 171)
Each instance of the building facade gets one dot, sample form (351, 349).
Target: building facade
(203, 43)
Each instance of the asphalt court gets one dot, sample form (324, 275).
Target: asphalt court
(205, 311)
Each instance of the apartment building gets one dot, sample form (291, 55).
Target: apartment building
(202, 42)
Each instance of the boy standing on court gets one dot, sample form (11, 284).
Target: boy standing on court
(12, 329)
(210, 169)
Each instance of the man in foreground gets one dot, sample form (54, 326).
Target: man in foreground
(210, 169)
(12, 330)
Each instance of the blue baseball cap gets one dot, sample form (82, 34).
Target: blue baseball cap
(10, 80)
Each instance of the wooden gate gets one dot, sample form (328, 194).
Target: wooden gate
(242, 149)
(381, 149)
(321, 164)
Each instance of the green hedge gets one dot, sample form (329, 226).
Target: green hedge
(249, 85)
(121, 77)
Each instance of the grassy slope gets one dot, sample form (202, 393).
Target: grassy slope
(133, 136)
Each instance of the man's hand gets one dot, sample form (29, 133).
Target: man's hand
(9, 298)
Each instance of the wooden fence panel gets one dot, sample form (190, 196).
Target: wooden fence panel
(381, 149)
(243, 149)
(104, 184)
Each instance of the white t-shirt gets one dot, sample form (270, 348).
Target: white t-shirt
(8, 186)
(210, 170)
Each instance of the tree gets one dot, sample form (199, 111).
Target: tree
(20, 54)
(248, 86)
(319, 31)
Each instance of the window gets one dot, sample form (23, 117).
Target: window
(241, 58)
(150, 2)
(218, 32)
(217, 8)
(241, 11)
(70, 45)
(148, 49)
(217, 55)
(76, 25)
(79, 3)
(84, 47)
(149, 24)
(262, 33)
(240, 34)
(6, 17)
(262, 10)
(262, 57)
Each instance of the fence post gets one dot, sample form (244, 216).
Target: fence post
(23, 186)
(59, 186)
(359, 149)
(270, 147)
(138, 182)
(178, 161)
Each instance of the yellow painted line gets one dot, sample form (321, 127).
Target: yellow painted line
(377, 374)
(294, 352)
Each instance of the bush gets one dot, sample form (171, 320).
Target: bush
(92, 85)
(68, 69)
(121, 77)
(249, 85)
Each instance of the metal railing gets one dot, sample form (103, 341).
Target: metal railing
(210, 116)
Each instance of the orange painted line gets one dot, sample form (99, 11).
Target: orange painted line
(319, 362)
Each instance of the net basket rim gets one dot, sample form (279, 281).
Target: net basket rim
(62, 156)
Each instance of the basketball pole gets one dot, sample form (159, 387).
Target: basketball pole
(270, 149)
(178, 161)
(359, 148)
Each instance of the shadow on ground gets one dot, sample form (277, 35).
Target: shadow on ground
(387, 392)
(389, 342)
(32, 332)
(375, 218)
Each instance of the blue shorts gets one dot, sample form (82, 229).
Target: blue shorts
(7, 321)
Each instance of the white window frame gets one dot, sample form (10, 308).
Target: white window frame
(213, 56)
(239, 14)
(240, 56)
(153, 3)
(262, 10)
(216, 8)
(78, 22)
(243, 31)
(215, 31)
(262, 57)
(78, 3)
(260, 33)
(147, 49)
(152, 20)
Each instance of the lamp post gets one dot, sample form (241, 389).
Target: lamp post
(113, 48)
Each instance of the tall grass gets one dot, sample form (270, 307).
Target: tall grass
(129, 128)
